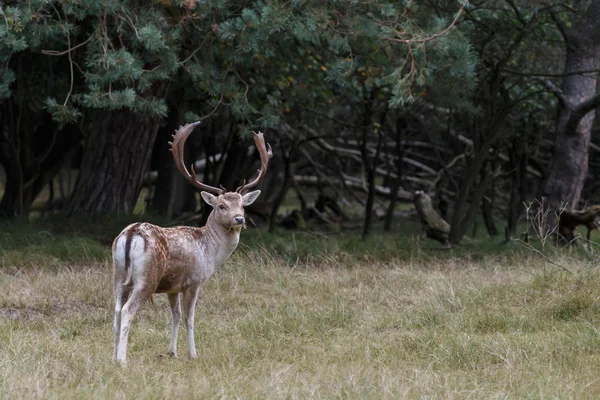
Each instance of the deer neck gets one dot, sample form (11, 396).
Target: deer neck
(220, 241)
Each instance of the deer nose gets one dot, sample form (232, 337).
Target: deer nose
(239, 220)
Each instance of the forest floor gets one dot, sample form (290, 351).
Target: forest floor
(307, 316)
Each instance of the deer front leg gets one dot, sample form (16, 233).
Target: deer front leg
(174, 301)
(190, 295)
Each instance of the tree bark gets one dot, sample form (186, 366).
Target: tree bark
(578, 99)
(116, 154)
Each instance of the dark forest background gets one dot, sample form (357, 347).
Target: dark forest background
(484, 106)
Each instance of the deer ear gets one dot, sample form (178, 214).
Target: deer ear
(250, 197)
(210, 199)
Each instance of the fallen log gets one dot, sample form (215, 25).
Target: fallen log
(435, 226)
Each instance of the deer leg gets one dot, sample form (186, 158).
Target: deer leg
(174, 301)
(189, 304)
(121, 294)
(136, 300)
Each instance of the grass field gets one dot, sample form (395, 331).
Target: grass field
(398, 322)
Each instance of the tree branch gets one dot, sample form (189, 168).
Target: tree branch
(555, 90)
(580, 111)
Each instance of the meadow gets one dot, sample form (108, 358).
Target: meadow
(308, 316)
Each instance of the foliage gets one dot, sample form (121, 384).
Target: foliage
(353, 73)
(117, 50)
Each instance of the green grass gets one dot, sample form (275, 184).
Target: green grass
(22, 244)
(307, 316)
(89, 239)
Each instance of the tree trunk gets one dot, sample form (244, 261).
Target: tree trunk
(32, 146)
(235, 160)
(116, 154)
(389, 215)
(173, 194)
(32, 153)
(370, 165)
(487, 211)
(370, 202)
(487, 204)
(578, 97)
(470, 193)
(518, 166)
(287, 184)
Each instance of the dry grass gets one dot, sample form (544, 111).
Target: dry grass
(501, 327)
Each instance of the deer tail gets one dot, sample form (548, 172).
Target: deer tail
(128, 270)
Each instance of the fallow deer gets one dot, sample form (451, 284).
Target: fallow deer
(148, 259)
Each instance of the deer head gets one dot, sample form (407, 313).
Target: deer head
(228, 207)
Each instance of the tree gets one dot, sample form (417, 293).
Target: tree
(258, 64)
(510, 27)
(578, 99)
(33, 146)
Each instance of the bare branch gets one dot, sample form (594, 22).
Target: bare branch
(70, 49)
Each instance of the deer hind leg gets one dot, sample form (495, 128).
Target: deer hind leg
(175, 303)
(121, 294)
(190, 295)
(136, 300)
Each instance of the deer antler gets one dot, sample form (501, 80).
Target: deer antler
(179, 139)
(265, 155)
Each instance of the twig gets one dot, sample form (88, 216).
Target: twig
(530, 247)
(71, 68)
(436, 35)
(213, 110)
(70, 49)
(197, 49)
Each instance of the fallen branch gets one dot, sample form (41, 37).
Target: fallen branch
(356, 183)
(435, 226)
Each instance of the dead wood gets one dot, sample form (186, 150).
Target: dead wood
(355, 183)
(435, 226)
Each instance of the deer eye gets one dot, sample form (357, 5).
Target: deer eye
(222, 207)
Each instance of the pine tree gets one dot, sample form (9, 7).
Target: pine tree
(115, 62)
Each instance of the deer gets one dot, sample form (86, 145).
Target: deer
(149, 259)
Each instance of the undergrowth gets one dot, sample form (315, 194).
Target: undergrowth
(89, 239)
